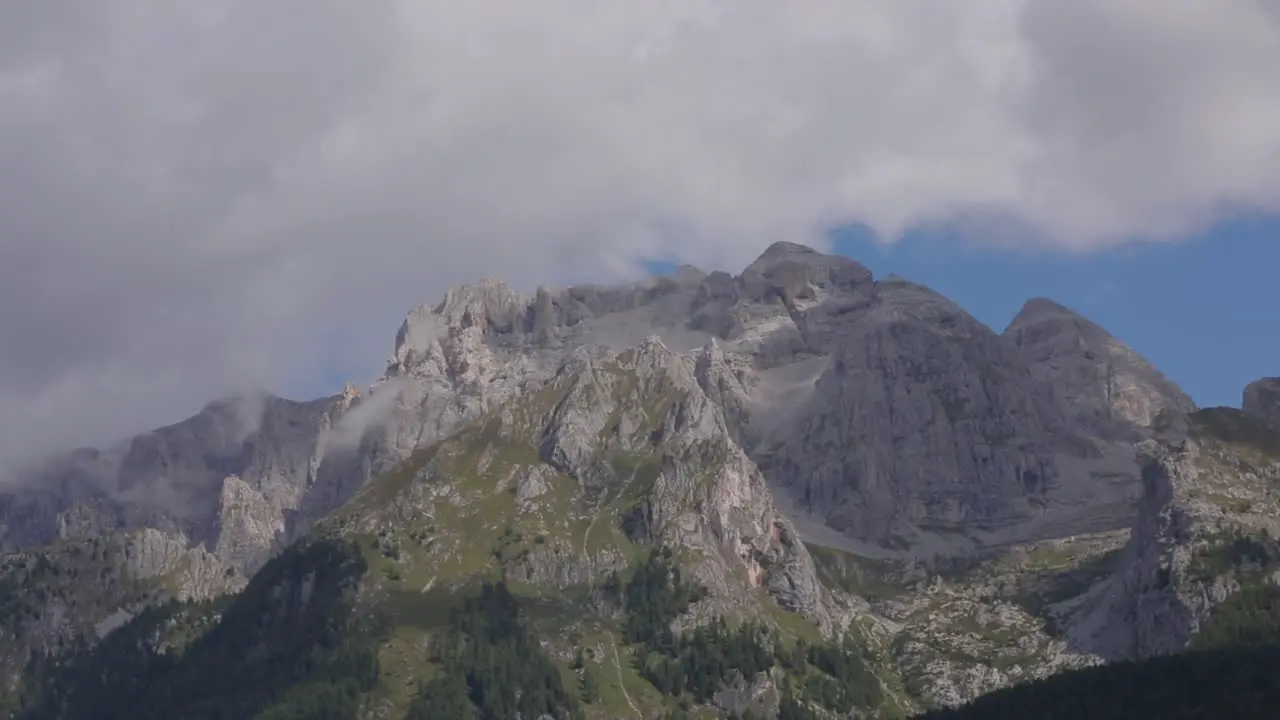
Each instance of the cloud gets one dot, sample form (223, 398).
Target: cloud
(198, 196)
(370, 410)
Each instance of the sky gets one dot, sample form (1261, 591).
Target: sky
(198, 197)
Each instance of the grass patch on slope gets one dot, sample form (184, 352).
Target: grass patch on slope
(856, 575)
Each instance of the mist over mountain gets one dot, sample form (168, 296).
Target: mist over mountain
(849, 490)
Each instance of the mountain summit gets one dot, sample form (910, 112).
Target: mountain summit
(794, 490)
(1101, 381)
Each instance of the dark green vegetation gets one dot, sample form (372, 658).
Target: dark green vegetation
(1247, 555)
(29, 580)
(294, 646)
(289, 647)
(699, 662)
(865, 577)
(46, 594)
(1234, 426)
(1231, 671)
(1238, 684)
(491, 667)
(655, 596)
(696, 665)
(1248, 619)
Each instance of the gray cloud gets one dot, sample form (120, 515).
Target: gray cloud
(196, 197)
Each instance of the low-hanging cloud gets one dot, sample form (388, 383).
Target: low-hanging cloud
(199, 196)
(370, 410)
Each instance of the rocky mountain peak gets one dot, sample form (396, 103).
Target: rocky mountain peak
(1037, 308)
(796, 272)
(1262, 400)
(479, 299)
(1098, 380)
(488, 306)
(781, 250)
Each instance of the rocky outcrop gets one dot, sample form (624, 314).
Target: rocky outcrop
(612, 450)
(756, 697)
(1262, 400)
(1207, 487)
(189, 574)
(1098, 382)
(788, 305)
(250, 528)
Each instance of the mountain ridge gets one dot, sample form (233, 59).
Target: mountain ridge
(817, 450)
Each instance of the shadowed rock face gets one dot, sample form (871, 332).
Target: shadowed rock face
(1262, 400)
(924, 418)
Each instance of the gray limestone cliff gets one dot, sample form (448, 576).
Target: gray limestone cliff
(922, 420)
(1208, 508)
(615, 450)
(1098, 381)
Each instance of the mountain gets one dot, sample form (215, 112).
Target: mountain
(795, 492)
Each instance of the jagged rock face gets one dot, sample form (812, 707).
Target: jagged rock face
(68, 497)
(708, 496)
(613, 450)
(484, 345)
(1262, 400)
(202, 478)
(758, 696)
(786, 306)
(1098, 382)
(249, 526)
(1207, 479)
(191, 573)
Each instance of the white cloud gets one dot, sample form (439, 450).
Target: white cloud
(203, 194)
